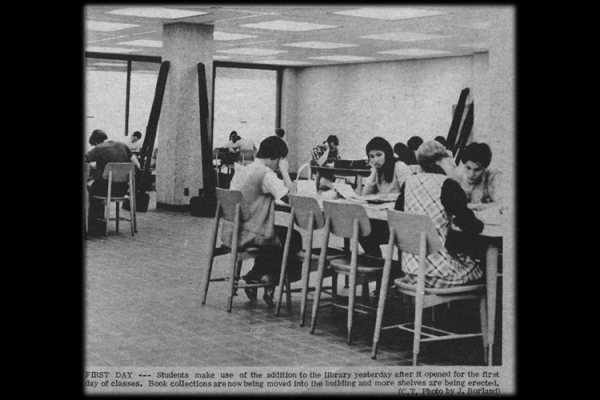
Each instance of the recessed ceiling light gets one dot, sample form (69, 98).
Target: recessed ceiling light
(404, 36)
(101, 49)
(477, 25)
(156, 12)
(343, 58)
(281, 25)
(144, 42)
(282, 62)
(320, 45)
(413, 52)
(391, 13)
(476, 45)
(230, 36)
(219, 57)
(253, 52)
(106, 26)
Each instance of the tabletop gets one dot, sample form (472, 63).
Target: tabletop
(492, 228)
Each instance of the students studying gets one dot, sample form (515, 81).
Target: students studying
(435, 194)
(387, 176)
(481, 184)
(260, 186)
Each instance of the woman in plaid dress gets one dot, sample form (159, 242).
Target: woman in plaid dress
(434, 194)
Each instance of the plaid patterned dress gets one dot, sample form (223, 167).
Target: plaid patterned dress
(423, 196)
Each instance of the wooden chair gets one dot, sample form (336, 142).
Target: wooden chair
(417, 235)
(86, 198)
(246, 157)
(307, 215)
(348, 221)
(229, 208)
(113, 173)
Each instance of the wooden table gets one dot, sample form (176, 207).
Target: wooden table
(358, 173)
(492, 233)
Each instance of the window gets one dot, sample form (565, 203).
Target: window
(245, 101)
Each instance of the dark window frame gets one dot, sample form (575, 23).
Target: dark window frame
(130, 58)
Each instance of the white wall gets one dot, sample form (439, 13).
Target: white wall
(395, 100)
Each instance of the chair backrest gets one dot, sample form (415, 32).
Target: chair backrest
(302, 207)
(246, 155)
(342, 217)
(407, 231)
(120, 171)
(228, 199)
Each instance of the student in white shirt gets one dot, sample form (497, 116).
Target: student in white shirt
(260, 186)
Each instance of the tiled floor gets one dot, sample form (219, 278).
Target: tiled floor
(142, 308)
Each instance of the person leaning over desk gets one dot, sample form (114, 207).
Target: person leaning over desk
(481, 184)
(324, 155)
(260, 186)
(435, 194)
(104, 152)
(387, 176)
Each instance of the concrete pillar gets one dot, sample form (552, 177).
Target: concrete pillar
(179, 171)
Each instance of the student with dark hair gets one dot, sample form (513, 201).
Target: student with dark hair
(387, 176)
(481, 184)
(441, 140)
(104, 152)
(405, 154)
(325, 154)
(260, 186)
(134, 143)
(413, 144)
(435, 194)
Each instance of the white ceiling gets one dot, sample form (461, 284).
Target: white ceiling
(245, 34)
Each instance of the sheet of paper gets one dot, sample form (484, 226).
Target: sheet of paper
(345, 190)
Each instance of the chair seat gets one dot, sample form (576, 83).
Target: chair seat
(245, 254)
(402, 284)
(332, 253)
(112, 198)
(366, 264)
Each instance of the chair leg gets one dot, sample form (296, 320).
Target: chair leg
(418, 326)
(232, 281)
(385, 278)
(283, 270)
(211, 252)
(320, 270)
(117, 216)
(107, 216)
(351, 302)
(484, 327)
(288, 293)
(304, 285)
(366, 297)
(133, 206)
(131, 217)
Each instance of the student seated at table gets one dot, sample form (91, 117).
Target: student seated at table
(404, 154)
(413, 144)
(134, 143)
(324, 155)
(481, 184)
(104, 152)
(407, 156)
(261, 187)
(435, 194)
(387, 176)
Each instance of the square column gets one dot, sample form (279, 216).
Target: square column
(179, 174)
